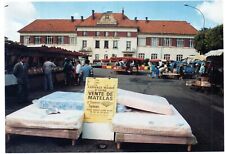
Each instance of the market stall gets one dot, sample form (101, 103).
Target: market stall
(37, 56)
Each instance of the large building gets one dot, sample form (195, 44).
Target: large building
(105, 35)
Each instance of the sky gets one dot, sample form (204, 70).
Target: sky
(18, 14)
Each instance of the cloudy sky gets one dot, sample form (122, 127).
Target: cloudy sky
(18, 14)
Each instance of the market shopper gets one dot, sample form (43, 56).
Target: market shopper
(47, 69)
(181, 70)
(86, 71)
(77, 70)
(202, 69)
(68, 71)
(20, 70)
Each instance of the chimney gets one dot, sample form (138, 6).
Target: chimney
(146, 18)
(123, 13)
(72, 18)
(93, 14)
(82, 18)
(135, 18)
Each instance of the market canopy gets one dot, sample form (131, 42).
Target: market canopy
(218, 52)
(197, 57)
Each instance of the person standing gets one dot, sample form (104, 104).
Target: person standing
(86, 71)
(68, 70)
(20, 70)
(181, 71)
(78, 67)
(202, 69)
(47, 69)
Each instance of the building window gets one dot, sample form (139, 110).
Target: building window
(106, 34)
(179, 57)
(97, 33)
(60, 40)
(180, 42)
(37, 40)
(155, 42)
(106, 44)
(128, 34)
(96, 56)
(26, 40)
(142, 42)
(84, 33)
(191, 43)
(114, 55)
(97, 44)
(128, 45)
(153, 56)
(106, 56)
(84, 43)
(106, 16)
(49, 40)
(167, 42)
(73, 40)
(115, 44)
(141, 55)
(167, 56)
(115, 34)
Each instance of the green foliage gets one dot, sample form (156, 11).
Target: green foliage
(209, 39)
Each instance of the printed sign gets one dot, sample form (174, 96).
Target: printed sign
(100, 99)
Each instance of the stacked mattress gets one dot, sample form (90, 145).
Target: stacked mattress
(39, 115)
(34, 117)
(150, 116)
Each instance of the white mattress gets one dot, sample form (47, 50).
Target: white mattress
(151, 103)
(62, 100)
(34, 117)
(151, 124)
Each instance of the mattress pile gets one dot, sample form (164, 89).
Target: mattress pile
(69, 115)
(154, 117)
(34, 117)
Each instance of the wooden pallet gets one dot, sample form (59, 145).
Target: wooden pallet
(137, 138)
(72, 134)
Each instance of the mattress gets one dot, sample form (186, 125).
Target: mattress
(145, 123)
(62, 101)
(151, 103)
(34, 117)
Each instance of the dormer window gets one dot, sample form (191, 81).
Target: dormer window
(128, 34)
(84, 33)
(115, 34)
(106, 34)
(97, 33)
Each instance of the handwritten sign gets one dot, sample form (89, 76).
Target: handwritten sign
(100, 99)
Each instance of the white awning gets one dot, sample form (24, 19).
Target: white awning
(214, 53)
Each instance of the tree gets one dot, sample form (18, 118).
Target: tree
(209, 39)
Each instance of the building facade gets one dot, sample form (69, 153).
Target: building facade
(105, 35)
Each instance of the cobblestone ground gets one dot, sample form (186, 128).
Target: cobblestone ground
(200, 109)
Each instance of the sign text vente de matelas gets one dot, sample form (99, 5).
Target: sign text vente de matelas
(100, 99)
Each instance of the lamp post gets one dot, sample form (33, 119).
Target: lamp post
(198, 11)
(202, 16)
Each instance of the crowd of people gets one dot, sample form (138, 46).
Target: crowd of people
(74, 74)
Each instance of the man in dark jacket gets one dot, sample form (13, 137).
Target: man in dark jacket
(20, 70)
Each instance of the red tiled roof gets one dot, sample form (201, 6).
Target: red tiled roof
(51, 25)
(166, 27)
(150, 27)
